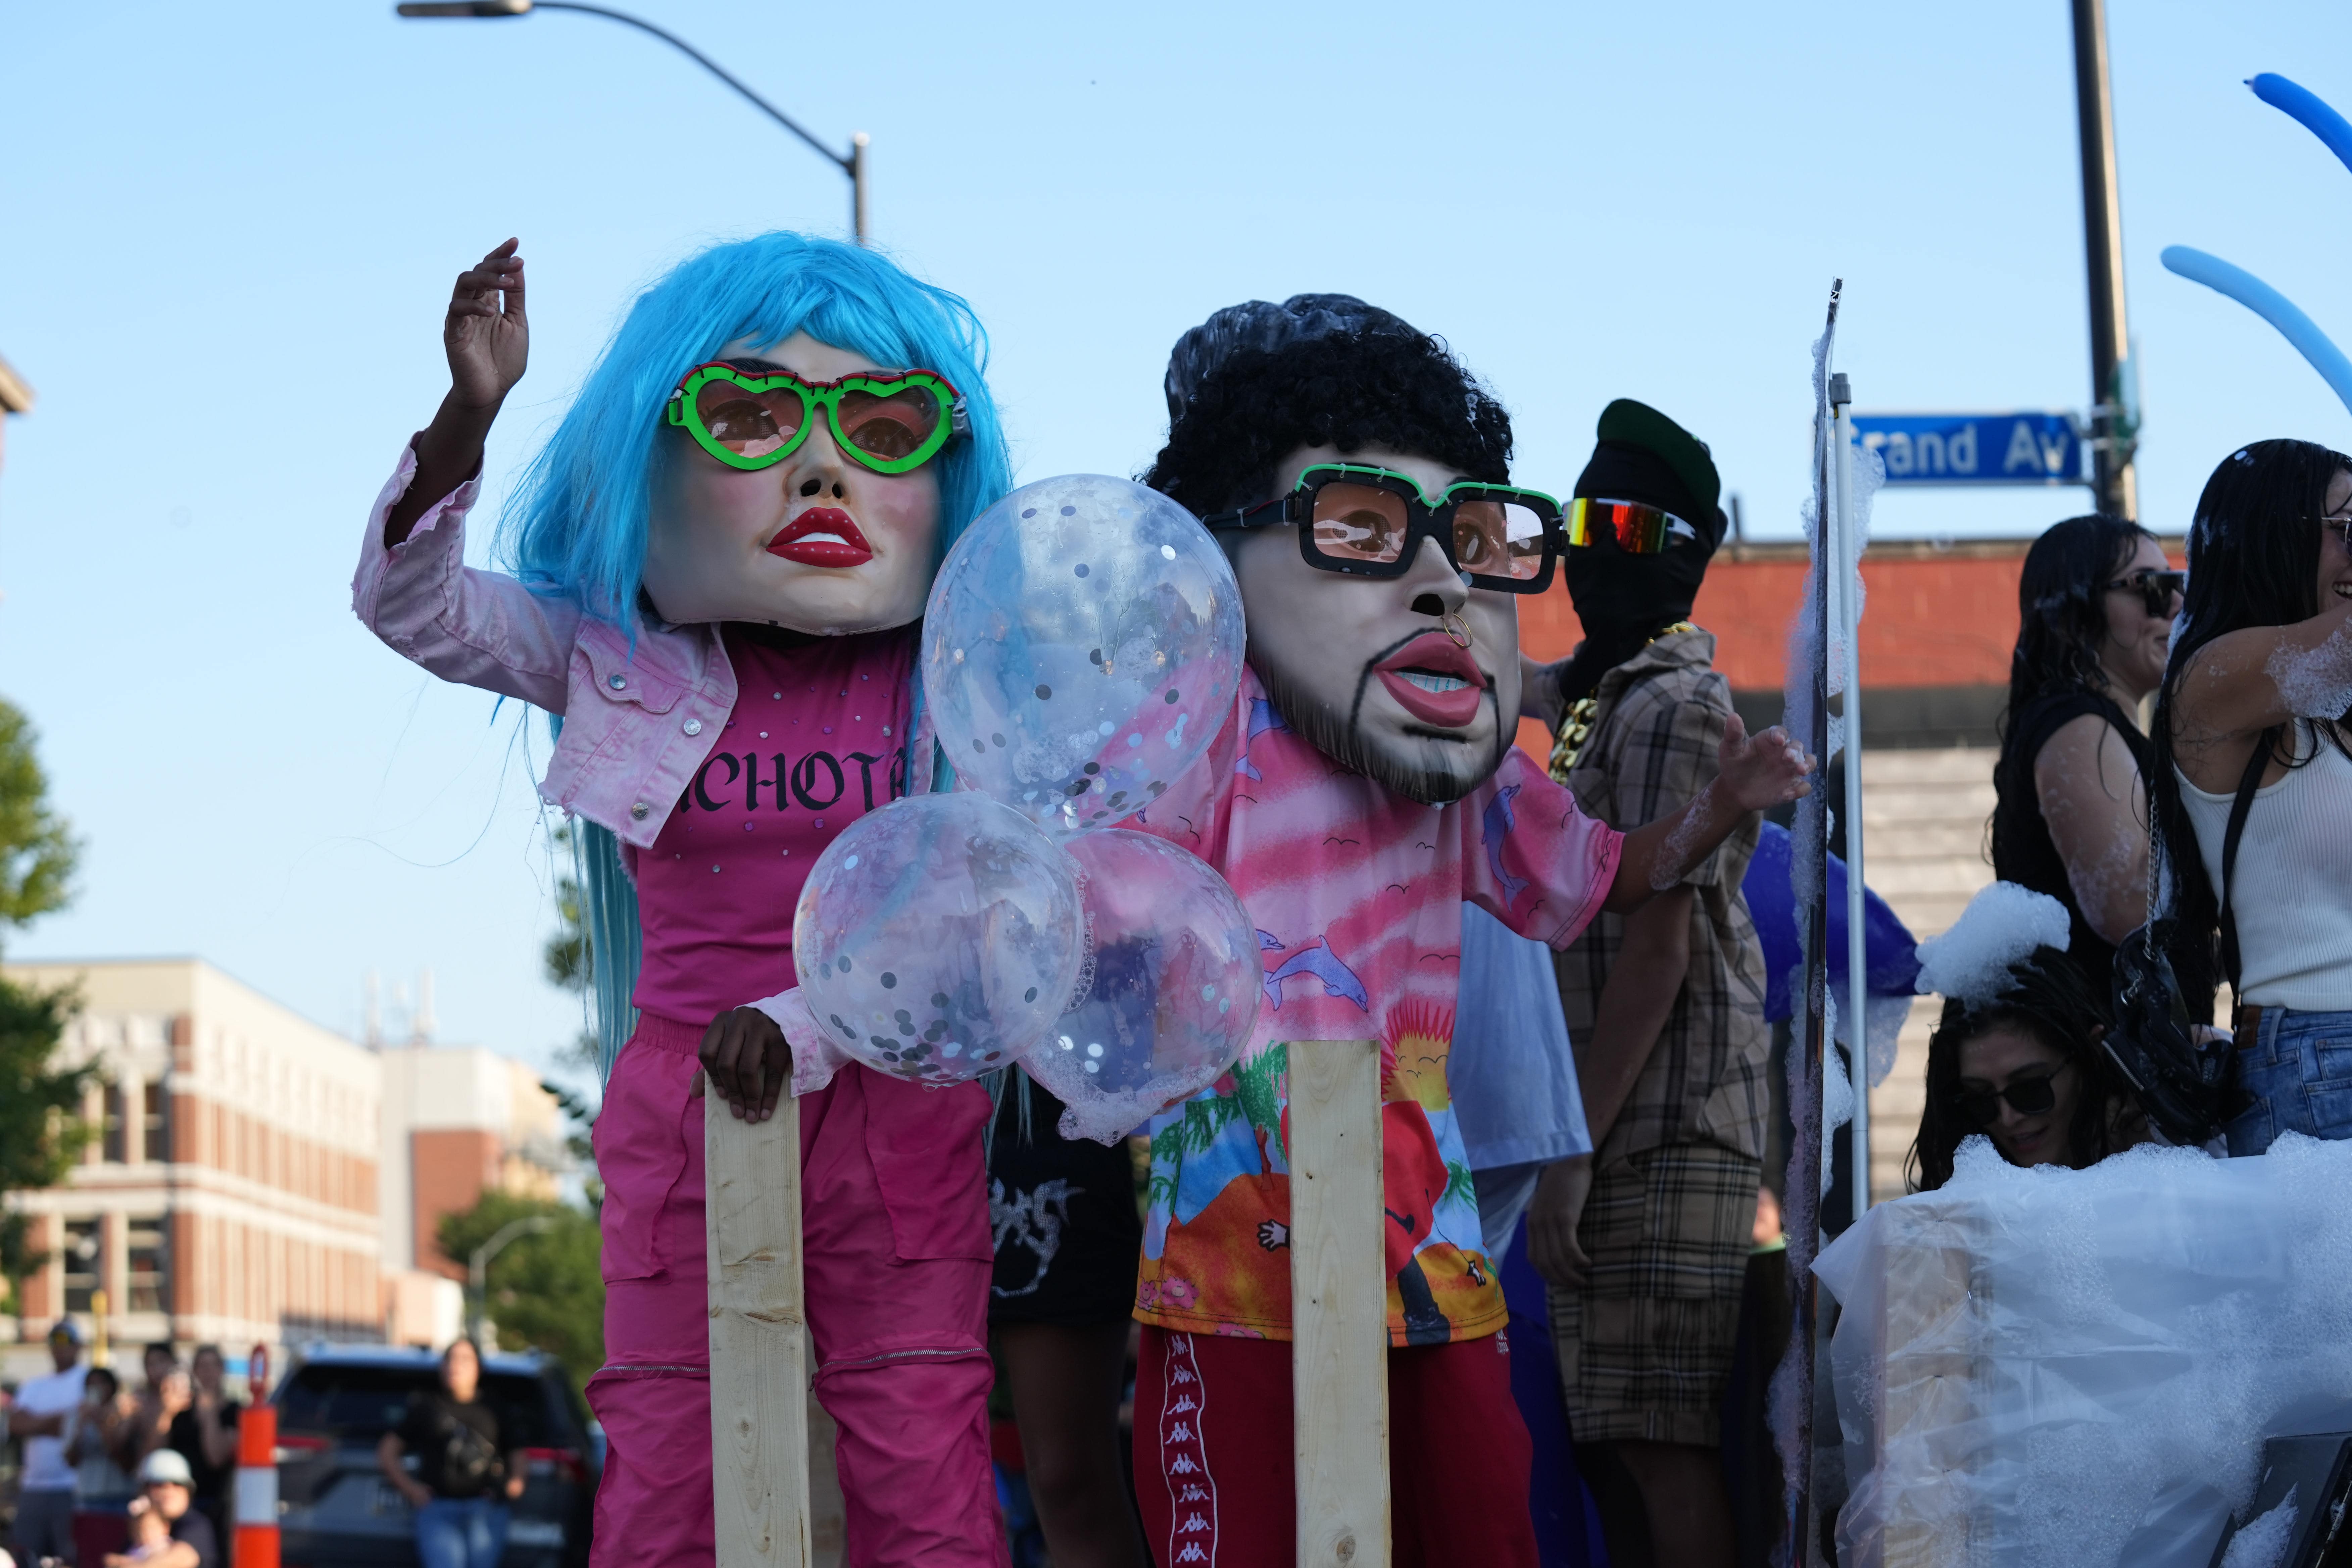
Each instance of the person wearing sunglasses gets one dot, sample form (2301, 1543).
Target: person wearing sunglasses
(1364, 789)
(2095, 600)
(2015, 1055)
(1665, 1005)
(718, 559)
(2253, 778)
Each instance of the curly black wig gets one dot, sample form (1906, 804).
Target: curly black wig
(1347, 379)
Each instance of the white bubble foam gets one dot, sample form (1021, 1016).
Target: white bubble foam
(2315, 683)
(2002, 924)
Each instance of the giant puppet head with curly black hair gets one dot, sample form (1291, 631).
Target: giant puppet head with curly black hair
(1412, 679)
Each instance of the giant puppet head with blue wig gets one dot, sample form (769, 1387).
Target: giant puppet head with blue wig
(785, 430)
(786, 433)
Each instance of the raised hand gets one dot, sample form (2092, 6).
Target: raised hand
(485, 332)
(1761, 772)
(487, 339)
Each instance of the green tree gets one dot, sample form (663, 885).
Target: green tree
(37, 851)
(39, 1133)
(544, 1291)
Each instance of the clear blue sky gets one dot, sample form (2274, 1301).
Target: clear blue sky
(228, 230)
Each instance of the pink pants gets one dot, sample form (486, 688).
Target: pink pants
(898, 1244)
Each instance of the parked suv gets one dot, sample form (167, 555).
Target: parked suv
(336, 1510)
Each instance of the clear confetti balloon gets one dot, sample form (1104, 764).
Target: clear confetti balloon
(938, 938)
(1081, 649)
(1173, 992)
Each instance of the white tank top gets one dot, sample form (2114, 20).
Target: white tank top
(2293, 892)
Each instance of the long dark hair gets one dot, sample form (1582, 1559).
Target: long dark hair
(2062, 619)
(2062, 615)
(2254, 561)
(2049, 1000)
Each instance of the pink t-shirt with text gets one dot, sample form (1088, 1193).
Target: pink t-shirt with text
(816, 741)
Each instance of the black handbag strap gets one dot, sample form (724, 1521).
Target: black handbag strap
(2239, 809)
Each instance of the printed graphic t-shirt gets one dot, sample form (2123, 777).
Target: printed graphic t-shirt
(1356, 894)
(816, 741)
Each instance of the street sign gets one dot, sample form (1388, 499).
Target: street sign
(2024, 448)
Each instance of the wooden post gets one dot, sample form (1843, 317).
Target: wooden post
(759, 1338)
(1338, 1305)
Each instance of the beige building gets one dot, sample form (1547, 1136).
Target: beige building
(232, 1193)
(458, 1121)
(258, 1179)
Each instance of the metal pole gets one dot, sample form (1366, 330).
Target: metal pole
(478, 1270)
(852, 165)
(857, 218)
(1808, 870)
(2113, 483)
(1857, 962)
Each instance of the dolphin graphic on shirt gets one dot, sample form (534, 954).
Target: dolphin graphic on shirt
(1319, 962)
(1262, 718)
(1494, 827)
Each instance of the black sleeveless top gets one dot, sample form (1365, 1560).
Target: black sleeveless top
(2023, 851)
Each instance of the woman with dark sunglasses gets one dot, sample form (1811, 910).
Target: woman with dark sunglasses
(2020, 1064)
(2254, 776)
(2095, 603)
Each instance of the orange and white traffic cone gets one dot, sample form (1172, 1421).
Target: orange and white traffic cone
(257, 1472)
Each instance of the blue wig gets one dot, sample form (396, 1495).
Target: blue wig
(577, 523)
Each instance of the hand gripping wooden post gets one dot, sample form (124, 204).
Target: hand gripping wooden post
(759, 1338)
(1338, 1305)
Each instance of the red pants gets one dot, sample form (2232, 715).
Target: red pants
(1212, 1454)
(897, 1246)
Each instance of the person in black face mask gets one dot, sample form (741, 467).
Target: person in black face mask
(1646, 1241)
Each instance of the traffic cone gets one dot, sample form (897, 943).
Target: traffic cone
(257, 1472)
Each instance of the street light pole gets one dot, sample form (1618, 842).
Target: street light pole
(852, 164)
(2112, 417)
(479, 1271)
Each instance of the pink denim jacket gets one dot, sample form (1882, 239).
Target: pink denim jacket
(635, 725)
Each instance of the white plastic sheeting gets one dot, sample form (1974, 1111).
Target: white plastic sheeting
(2049, 1368)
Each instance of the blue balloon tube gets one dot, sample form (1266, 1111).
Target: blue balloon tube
(2306, 106)
(2269, 304)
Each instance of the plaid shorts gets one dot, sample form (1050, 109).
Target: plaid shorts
(1645, 1346)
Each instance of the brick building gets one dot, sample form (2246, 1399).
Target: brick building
(231, 1194)
(1939, 625)
(259, 1179)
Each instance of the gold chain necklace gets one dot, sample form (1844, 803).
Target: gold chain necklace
(1576, 724)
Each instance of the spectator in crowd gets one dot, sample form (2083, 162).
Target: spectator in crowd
(2094, 605)
(205, 1434)
(99, 1453)
(161, 1401)
(464, 1477)
(2254, 775)
(42, 1418)
(1666, 1007)
(2023, 1066)
(166, 1490)
(148, 1537)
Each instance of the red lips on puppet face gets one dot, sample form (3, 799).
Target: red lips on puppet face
(822, 536)
(1435, 680)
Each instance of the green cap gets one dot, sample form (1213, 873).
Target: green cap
(1639, 425)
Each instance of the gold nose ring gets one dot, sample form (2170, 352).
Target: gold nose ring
(1455, 627)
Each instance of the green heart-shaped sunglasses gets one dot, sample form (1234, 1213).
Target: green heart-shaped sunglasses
(890, 421)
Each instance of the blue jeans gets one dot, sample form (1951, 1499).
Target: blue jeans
(461, 1532)
(2298, 1067)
